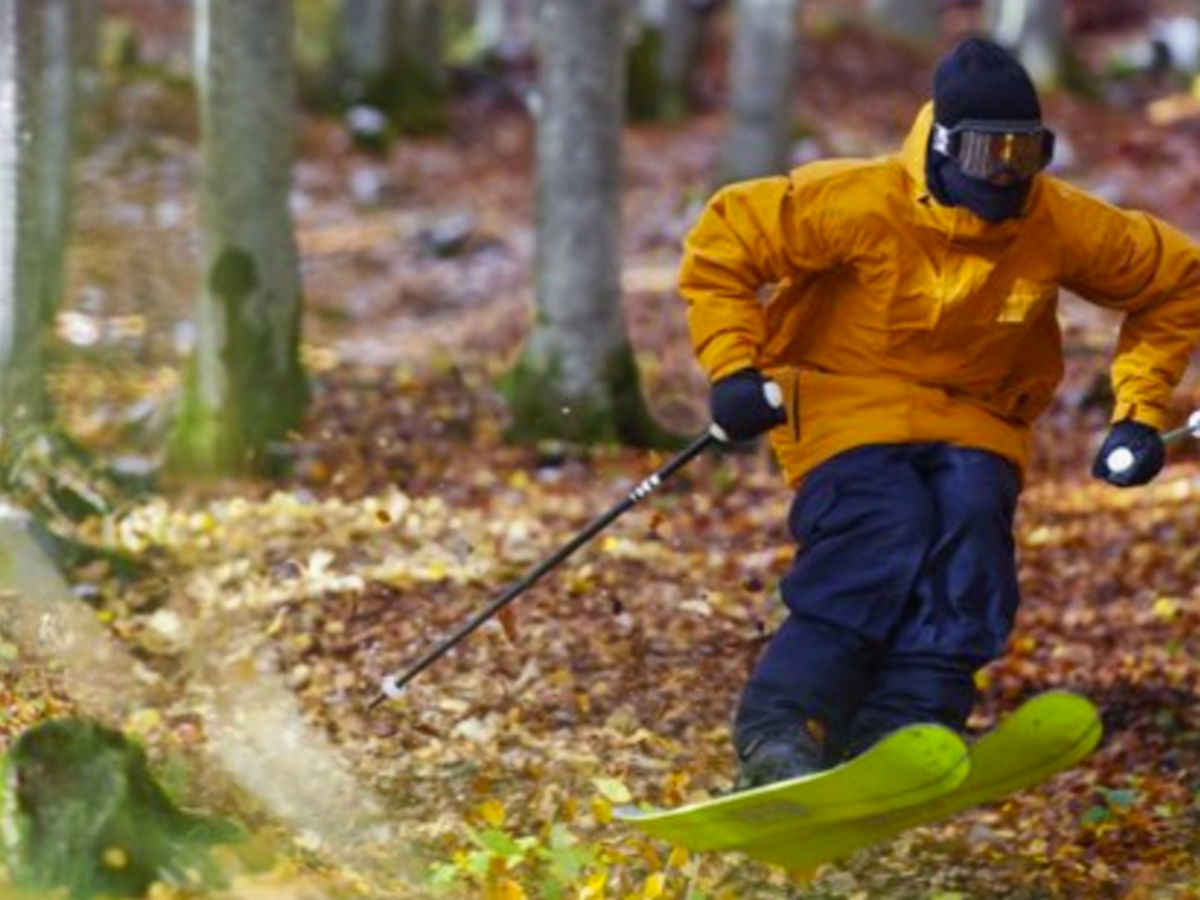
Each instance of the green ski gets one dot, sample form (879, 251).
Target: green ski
(1046, 735)
(917, 775)
(911, 766)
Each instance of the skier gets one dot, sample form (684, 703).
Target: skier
(910, 341)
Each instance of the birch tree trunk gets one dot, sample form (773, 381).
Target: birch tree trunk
(1035, 31)
(245, 387)
(916, 22)
(577, 379)
(26, 261)
(762, 89)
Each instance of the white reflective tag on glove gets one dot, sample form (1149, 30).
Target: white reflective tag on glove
(1120, 460)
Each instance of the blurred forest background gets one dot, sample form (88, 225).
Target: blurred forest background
(321, 321)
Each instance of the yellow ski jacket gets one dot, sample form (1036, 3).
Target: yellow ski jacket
(890, 318)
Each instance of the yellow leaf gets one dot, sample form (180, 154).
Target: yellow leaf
(593, 888)
(506, 889)
(602, 810)
(569, 811)
(493, 812)
(1166, 609)
(613, 790)
(277, 624)
(679, 857)
(1023, 646)
(435, 570)
(654, 887)
(116, 858)
(143, 721)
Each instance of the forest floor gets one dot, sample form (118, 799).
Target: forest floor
(405, 510)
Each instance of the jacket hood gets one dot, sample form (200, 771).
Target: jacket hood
(955, 220)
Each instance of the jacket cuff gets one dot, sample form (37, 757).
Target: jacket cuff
(1148, 414)
(719, 361)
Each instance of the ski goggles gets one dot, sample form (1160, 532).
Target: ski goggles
(996, 152)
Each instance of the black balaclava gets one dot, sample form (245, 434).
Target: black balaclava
(979, 80)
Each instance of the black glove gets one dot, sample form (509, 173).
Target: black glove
(1146, 446)
(746, 404)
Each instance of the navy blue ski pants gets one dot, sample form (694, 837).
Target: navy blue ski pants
(903, 587)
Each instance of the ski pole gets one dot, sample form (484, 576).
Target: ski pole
(393, 685)
(1122, 458)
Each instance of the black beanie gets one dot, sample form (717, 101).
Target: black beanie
(981, 80)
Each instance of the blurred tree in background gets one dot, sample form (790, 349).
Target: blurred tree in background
(917, 22)
(1036, 33)
(245, 387)
(762, 89)
(390, 57)
(38, 91)
(577, 378)
(665, 55)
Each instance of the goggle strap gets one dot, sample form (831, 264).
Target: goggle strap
(941, 140)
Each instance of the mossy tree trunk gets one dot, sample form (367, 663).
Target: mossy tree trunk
(1035, 32)
(762, 88)
(390, 57)
(664, 57)
(36, 149)
(245, 388)
(89, 17)
(577, 379)
(60, 83)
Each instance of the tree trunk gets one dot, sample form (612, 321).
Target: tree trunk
(504, 28)
(1035, 32)
(368, 29)
(664, 58)
(762, 88)
(917, 22)
(391, 58)
(683, 41)
(25, 263)
(577, 379)
(421, 25)
(245, 388)
(88, 18)
(60, 87)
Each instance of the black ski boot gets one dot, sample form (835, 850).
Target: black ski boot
(777, 756)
